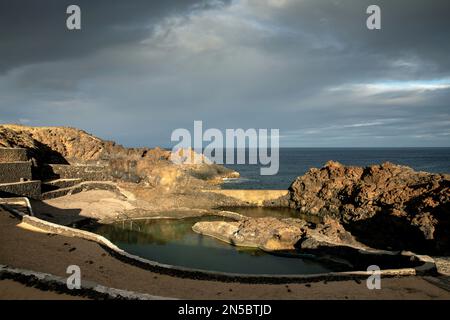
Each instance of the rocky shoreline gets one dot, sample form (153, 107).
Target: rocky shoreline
(382, 207)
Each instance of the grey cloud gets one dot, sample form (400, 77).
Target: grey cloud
(145, 68)
(35, 31)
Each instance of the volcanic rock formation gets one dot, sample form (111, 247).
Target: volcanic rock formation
(70, 146)
(387, 206)
(274, 234)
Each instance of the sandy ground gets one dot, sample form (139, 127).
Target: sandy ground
(133, 202)
(96, 204)
(49, 253)
(106, 206)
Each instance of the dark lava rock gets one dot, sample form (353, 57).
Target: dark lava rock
(385, 206)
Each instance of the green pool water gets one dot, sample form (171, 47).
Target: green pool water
(173, 242)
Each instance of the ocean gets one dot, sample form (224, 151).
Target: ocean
(297, 161)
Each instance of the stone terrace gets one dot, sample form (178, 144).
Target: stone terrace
(15, 174)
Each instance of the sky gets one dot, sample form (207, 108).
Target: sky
(138, 69)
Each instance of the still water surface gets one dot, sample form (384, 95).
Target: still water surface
(173, 242)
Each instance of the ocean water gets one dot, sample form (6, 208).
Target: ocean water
(297, 161)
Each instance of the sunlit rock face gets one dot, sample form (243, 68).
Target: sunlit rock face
(274, 234)
(71, 146)
(265, 233)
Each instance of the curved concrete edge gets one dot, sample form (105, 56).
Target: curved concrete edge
(88, 289)
(428, 266)
(30, 209)
(17, 212)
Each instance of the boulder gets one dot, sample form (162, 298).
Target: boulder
(266, 233)
(274, 234)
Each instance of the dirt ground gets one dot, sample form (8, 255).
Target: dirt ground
(97, 204)
(49, 253)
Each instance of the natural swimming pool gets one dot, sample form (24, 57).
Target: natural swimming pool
(172, 241)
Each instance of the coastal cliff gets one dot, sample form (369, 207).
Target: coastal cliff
(71, 146)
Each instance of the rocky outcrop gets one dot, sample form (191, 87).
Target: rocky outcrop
(66, 145)
(387, 206)
(265, 233)
(274, 234)
(328, 242)
(70, 146)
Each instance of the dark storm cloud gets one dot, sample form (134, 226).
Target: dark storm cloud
(308, 67)
(34, 31)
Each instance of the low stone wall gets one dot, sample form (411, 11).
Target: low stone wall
(83, 172)
(31, 189)
(256, 197)
(13, 155)
(15, 171)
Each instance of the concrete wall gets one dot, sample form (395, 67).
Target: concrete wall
(31, 189)
(254, 197)
(13, 154)
(14, 171)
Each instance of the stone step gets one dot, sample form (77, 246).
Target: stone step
(29, 189)
(15, 171)
(84, 172)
